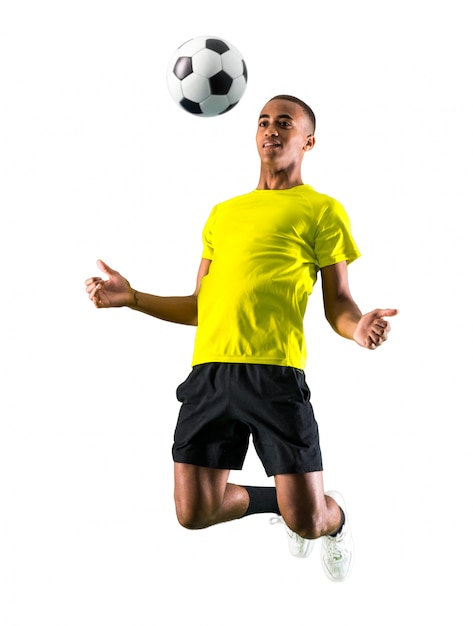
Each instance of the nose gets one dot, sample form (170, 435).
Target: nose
(271, 131)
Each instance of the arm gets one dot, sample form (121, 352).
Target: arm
(344, 316)
(116, 291)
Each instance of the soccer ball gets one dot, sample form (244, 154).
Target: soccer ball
(207, 76)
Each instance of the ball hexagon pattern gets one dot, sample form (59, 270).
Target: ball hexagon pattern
(207, 76)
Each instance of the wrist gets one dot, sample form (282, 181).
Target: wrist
(133, 299)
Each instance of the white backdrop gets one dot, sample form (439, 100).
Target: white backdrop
(96, 161)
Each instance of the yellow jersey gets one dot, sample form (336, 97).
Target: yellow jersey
(266, 248)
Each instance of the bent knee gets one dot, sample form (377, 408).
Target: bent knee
(310, 528)
(192, 518)
(188, 519)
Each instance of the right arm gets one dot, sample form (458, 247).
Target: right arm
(116, 291)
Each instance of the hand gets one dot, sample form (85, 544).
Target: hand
(113, 292)
(372, 330)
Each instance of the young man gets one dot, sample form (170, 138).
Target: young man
(262, 253)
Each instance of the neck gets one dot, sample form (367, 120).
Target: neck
(282, 179)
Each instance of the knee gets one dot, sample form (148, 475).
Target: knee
(190, 523)
(192, 517)
(308, 527)
(189, 519)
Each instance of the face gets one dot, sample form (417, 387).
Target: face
(284, 134)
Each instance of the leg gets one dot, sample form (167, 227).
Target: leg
(304, 506)
(203, 496)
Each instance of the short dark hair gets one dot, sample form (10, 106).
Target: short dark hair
(310, 114)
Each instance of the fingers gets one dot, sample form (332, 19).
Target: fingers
(376, 339)
(380, 328)
(373, 330)
(93, 288)
(94, 284)
(93, 281)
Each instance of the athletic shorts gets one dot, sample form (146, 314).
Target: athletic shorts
(224, 403)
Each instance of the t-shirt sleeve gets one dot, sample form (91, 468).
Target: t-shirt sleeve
(334, 241)
(207, 236)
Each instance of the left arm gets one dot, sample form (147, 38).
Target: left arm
(344, 316)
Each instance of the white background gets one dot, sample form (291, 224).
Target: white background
(96, 161)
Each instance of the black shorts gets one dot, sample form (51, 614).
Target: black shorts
(224, 403)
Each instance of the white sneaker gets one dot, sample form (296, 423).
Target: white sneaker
(337, 552)
(298, 546)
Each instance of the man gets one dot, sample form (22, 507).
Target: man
(262, 253)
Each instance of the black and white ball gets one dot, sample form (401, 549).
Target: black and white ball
(207, 76)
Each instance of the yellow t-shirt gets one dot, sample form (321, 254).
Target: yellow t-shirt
(266, 248)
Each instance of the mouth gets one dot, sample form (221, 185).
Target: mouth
(271, 144)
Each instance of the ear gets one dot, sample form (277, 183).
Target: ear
(309, 143)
